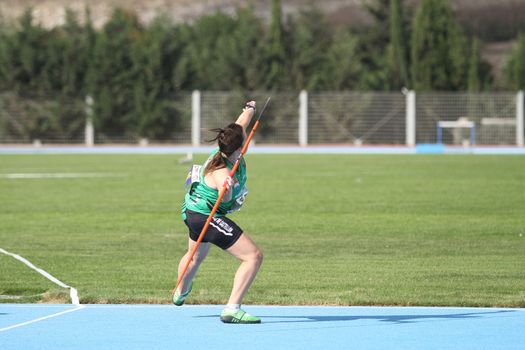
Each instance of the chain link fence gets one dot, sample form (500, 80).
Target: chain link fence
(26, 118)
(492, 116)
(350, 118)
(356, 118)
(280, 125)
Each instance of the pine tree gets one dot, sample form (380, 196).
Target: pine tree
(248, 46)
(5, 56)
(343, 63)
(76, 56)
(474, 83)
(206, 51)
(221, 52)
(27, 55)
(373, 43)
(515, 67)
(113, 74)
(89, 38)
(438, 48)
(153, 59)
(184, 69)
(310, 38)
(397, 52)
(276, 58)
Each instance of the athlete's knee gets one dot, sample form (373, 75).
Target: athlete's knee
(198, 258)
(258, 256)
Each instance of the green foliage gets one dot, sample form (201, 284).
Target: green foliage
(515, 67)
(276, 51)
(113, 73)
(397, 50)
(24, 57)
(373, 43)
(36, 59)
(42, 72)
(153, 116)
(479, 77)
(74, 60)
(438, 48)
(5, 46)
(343, 67)
(309, 40)
(221, 52)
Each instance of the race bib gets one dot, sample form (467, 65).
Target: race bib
(194, 175)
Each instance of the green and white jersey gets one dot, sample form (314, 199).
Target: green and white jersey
(201, 198)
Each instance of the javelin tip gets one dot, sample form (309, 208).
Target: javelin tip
(264, 107)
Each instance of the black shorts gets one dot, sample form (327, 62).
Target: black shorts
(221, 231)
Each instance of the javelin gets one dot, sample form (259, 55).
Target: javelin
(221, 194)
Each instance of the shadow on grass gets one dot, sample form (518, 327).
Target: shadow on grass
(399, 319)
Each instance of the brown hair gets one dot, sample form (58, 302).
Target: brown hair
(229, 139)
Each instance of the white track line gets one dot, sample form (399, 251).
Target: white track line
(72, 291)
(80, 307)
(58, 175)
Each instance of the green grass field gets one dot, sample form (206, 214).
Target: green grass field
(335, 229)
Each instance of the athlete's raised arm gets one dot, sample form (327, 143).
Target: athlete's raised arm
(246, 115)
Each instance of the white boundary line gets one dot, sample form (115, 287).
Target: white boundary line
(18, 176)
(260, 149)
(80, 307)
(72, 291)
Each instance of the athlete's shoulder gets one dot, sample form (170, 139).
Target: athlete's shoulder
(213, 152)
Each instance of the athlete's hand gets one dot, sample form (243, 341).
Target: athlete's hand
(228, 182)
(249, 106)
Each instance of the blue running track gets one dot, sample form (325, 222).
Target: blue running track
(265, 149)
(40, 326)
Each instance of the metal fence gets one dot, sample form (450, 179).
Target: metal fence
(481, 118)
(306, 118)
(356, 118)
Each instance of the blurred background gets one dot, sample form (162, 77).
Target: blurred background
(94, 72)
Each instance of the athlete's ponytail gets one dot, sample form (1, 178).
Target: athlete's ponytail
(229, 139)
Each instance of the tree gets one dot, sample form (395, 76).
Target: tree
(184, 71)
(153, 57)
(438, 48)
(24, 55)
(474, 83)
(397, 60)
(76, 54)
(67, 58)
(309, 39)
(206, 50)
(515, 66)
(343, 63)
(113, 73)
(276, 57)
(222, 52)
(5, 48)
(248, 46)
(373, 43)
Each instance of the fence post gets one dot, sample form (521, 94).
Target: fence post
(519, 119)
(196, 118)
(89, 131)
(410, 97)
(303, 118)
